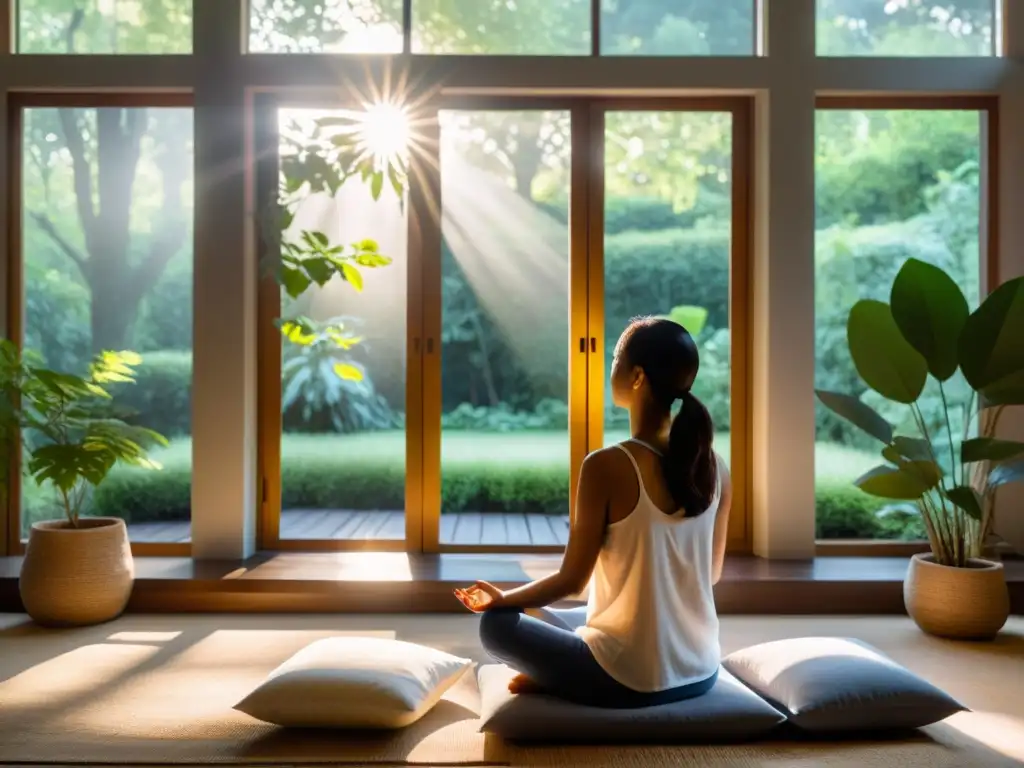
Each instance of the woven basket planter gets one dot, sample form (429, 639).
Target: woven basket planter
(77, 576)
(970, 603)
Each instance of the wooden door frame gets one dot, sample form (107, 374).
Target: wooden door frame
(586, 333)
(740, 108)
(577, 352)
(267, 103)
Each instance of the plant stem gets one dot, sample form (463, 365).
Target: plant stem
(72, 518)
(941, 520)
(949, 434)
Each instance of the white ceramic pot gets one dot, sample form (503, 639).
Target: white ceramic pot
(77, 576)
(970, 603)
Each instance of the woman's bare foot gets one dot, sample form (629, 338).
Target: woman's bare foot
(522, 684)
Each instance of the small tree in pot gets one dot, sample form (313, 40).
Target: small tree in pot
(952, 475)
(77, 569)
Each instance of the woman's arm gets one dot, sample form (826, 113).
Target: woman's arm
(586, 536)
(721, 522)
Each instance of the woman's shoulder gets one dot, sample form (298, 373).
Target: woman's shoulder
(609, 456)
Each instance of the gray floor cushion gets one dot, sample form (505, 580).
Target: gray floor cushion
(832, 684)
(729, 712)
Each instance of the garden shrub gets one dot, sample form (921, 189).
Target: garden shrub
(550, 414)
(146, 496)
(161, 397)
(649, 214)
(652, 272)
(843, 511)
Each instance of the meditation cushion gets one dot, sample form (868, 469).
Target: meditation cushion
(354, 682)
(831, 684)
(729, 711)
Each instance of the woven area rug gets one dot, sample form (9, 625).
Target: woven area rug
(158, 690)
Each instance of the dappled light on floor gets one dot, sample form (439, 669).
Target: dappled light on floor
(346, 566)
(143, 637)
(71, 675)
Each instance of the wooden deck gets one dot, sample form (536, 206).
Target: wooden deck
(461, 528)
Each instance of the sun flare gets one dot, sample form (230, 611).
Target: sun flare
(384, 132)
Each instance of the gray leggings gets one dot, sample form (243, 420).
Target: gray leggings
(561, 663)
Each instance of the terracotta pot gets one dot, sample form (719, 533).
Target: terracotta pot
(77, 576)
(970, 603)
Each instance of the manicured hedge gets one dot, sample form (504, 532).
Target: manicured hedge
(378, 482)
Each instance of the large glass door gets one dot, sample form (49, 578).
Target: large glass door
(335, 346)
(670, 223)
(470, 381)
(507, 431)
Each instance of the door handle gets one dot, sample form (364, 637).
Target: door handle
(593, 344)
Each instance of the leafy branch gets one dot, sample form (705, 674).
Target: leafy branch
(321, 160)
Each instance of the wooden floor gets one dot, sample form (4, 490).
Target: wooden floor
(472, 528)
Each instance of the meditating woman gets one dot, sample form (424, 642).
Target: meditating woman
(648, 536)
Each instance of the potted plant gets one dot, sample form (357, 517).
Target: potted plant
(77, 570)
(926, 339)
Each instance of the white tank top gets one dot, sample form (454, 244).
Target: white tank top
(651, 619)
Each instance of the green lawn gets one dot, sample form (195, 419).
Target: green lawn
(833, 462)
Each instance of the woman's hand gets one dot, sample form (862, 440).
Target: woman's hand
(481, 597)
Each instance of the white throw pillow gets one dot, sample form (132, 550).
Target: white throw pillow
(355, 682)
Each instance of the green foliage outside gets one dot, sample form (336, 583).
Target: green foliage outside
(489, 471)
(890, 186)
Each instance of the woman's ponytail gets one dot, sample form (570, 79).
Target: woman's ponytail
(691, 469)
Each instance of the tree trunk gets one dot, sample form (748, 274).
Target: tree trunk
(113, 311)
(118, 140)
(117, 283)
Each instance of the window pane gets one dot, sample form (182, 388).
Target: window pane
(906, 28)
(104, 26)
(891, 185)
(667, 242)
(343, 441)
(325, 26)
(111, 269)
(525, 27)
(505, 327)
(677, 27)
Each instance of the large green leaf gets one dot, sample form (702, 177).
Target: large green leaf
(908, 481)
(294, 281)
(1004, 474)
(989, 449)
(930, 311)
(884, 359)
(991, 349)
(967, 499)
(912, 448)
(1009, 390)
(857, 412)
(693, 319)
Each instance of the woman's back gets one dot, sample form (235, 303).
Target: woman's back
(651, 619)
